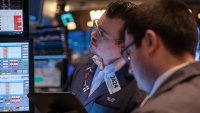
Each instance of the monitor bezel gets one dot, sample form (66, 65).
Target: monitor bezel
(25, 23)
(31, 68)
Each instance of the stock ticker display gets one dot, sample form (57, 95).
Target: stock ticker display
(14, 76)
(48, 42)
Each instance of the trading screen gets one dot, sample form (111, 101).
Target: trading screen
(47, 74)
(48, 42)
(11, 17)
(14, 76)
(76, 41)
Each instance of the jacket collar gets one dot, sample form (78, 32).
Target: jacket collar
(121, 75)
(187, 72)
(84, 95)
(118, 63)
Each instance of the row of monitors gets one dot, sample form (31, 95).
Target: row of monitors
(16, 57)
(54, 41)
(49, 47)
(16, 76)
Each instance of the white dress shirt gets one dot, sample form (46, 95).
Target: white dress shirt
(99, 74)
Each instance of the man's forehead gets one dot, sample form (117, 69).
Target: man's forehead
(111, 26)
(105, 20)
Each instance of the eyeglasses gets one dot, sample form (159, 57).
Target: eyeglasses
(101, 34)
(125, 53)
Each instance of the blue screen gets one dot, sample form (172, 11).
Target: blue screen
(79, 40)
(76, 41)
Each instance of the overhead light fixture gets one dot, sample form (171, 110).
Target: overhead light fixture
(96, 14)
(198, 15)
(89, 24)
(71, 25)
(49, 8)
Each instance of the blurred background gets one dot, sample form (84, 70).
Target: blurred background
(61, 32)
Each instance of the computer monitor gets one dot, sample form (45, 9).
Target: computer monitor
(35, 11)
(76, 40)
(16, 75)
(47, 73)
(13, 17)
(50, 53)
(49, 42)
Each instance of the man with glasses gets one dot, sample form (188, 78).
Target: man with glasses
(161, 39)
(102, 83)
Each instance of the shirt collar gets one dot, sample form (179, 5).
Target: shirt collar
(162, 78)
(118, 64)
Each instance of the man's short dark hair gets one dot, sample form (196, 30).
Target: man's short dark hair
(169, 19)
(120, 9)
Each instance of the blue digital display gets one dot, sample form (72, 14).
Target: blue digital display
(79, 41)
(76, 40)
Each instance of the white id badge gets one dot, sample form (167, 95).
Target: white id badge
(112, 83)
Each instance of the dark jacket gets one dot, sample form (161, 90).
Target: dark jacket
(179, 94)
(101, 101)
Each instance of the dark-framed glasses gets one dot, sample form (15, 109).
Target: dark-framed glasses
(126, 51)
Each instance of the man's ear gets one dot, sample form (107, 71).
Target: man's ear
(151, 41)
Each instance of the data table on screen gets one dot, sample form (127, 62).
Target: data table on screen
(14, 76)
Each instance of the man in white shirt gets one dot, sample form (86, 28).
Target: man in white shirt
(161, 39)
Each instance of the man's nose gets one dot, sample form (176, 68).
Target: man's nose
(92, 33)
